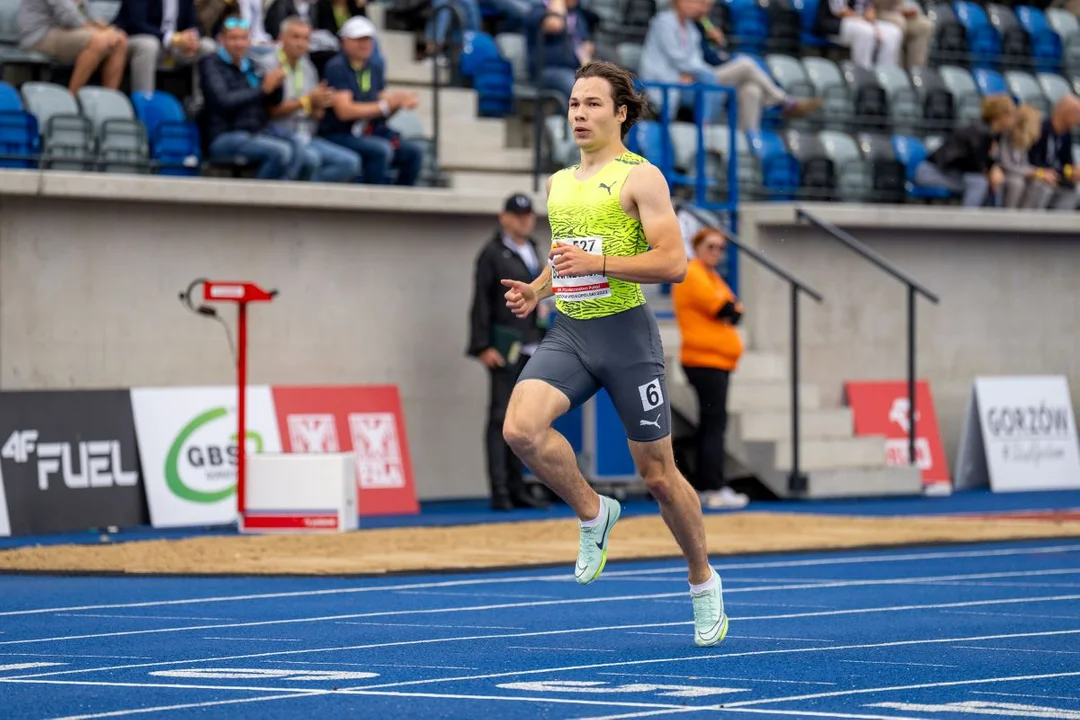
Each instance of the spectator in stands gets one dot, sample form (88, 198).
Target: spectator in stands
(707, 312)
(966, 162)
(503, 343)
(1053, 153)
(566, 43)
(713, 42)
(305, 102)
(330, 17)
(914, 25)
(156, 28)
(513, 14)
(1022, 179)
(358, 115)
(278, 10)
(855, 24)
(62, 30)
(262, 40)
(467, 13)
(239, 95)
(673, 54)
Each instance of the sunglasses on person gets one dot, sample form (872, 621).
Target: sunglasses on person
(713, 246)
(235, 23)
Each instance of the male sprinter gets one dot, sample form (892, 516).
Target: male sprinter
(612, 227)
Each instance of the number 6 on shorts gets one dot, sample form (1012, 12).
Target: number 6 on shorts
(651, 395)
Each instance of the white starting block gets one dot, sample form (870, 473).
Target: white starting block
(300, 493)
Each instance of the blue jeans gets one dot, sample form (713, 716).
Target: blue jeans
(273, 154)
(322, 161)
(377, 156)
(468, 10)
(559, 79)
(975, 187)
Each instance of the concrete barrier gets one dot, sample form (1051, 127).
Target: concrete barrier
(375, 285)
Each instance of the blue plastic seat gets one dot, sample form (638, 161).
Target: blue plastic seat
(1046, 48)
(749, 25)
(910, 152)
(20, 141)
(990, 82)
(781, 173)
(984, 41)
(174, 140)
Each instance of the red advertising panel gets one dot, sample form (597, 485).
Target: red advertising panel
(881, 408)
(365, 419)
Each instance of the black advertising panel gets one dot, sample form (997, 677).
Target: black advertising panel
(68, 461)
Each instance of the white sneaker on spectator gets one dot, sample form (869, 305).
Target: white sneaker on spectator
(724, 499)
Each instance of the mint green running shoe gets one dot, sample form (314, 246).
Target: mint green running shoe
(710, 620)
(592, 547)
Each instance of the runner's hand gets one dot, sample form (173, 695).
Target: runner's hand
(520, 298)
(571, 261)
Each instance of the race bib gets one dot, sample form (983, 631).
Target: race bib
(585, 287)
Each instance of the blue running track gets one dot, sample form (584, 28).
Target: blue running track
(957, 632)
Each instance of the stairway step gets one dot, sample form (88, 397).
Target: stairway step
(761, 426)
(502, 183)
(398, 48)
(460, 157)
(757, 396)
(866, 451)
(864, 482)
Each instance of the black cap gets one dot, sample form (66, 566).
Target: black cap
(518, 204)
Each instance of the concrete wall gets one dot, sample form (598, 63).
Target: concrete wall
(1009, 284)
(375, 286)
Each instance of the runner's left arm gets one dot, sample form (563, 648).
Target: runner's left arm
(666, 261)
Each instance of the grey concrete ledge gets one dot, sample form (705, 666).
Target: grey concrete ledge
(916, 217)
(246, 193)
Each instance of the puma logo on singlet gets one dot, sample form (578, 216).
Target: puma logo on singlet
(655, 423)
(608, 187)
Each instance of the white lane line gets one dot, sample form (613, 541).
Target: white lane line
(534, 648)
(702, 657)
(141, 617)
(564, 577)
(1016, 615)
(511, 596)
(185, 706)
(1018, 650)
(252, 639)
(371, 665)
(757, 711)
(71, 655)
(540, 603)
(713, 677)
(28, 666)
(1026, 695)
(769, 637)
(906, 664)
(424, 625)
(570, 631)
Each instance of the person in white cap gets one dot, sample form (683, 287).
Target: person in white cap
(362, 105)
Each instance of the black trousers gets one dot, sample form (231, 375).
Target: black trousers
(504, 468)
(711, 386)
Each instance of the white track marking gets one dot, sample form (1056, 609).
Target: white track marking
(185, 706)
(905, 664)
(28, 666)
(705, 657)
(1027, 695)
(371, 665)
(539, 603)
(564, 577)
(713, 677)
(758, 711)
(424, 625)
(252, 639)
(1016, 615)
(571, 631)
(534, 648)
(70, 655)
(1019, 650)
(144, 617)
(768, 637)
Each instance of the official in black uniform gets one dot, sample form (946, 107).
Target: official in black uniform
(503, 342)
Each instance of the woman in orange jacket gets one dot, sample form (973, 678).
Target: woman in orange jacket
(707, 312)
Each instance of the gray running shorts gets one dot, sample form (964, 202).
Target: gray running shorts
(620, 353)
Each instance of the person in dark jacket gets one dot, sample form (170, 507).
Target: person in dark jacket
(503, 342)
(1052, 154)
(238, 96)
(565, 46)
(966, 162)
(159, 29)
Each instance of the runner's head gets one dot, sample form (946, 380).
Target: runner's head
(603, 105)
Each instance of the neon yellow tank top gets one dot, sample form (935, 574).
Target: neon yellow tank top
(588, 213)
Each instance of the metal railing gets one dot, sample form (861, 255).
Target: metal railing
(543, 97)
(913, 288)
(796, 480)
(457, 26)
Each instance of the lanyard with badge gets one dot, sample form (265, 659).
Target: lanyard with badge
(296, 76)
(363, 81)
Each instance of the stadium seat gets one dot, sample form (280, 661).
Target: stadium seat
(684, 152)
(636, 15)
(829, 85)
(1054, 87)
(887, 173)
(175, 146)
(629, 55)
(910, 151)
(514, 48)
(103, 10)
(1026, 89)
(120, 138)
(780, 176)
(649, 140)
(407, 123)
(67, 138)
(791, 76)
(19, 141)
(1015, 42)
(1045, 43)
(560, 141)
(852, 172)
(1067, 27)
(989, 82)
(967, 102)
(807, 10)
(784, 27)
(749, 25)
(904, 110)
(949, 44)
(10, 52)
(938, 103)
(984, 42)
(718, 141)
(818, 171)
(869, 100)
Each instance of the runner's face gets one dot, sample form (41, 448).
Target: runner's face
(593, 117)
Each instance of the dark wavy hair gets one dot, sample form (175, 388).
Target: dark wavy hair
(622, 90)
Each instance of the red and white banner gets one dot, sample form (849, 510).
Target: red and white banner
(366, 420)
(881, 408)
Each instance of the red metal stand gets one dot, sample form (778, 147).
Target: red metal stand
(240, 293)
